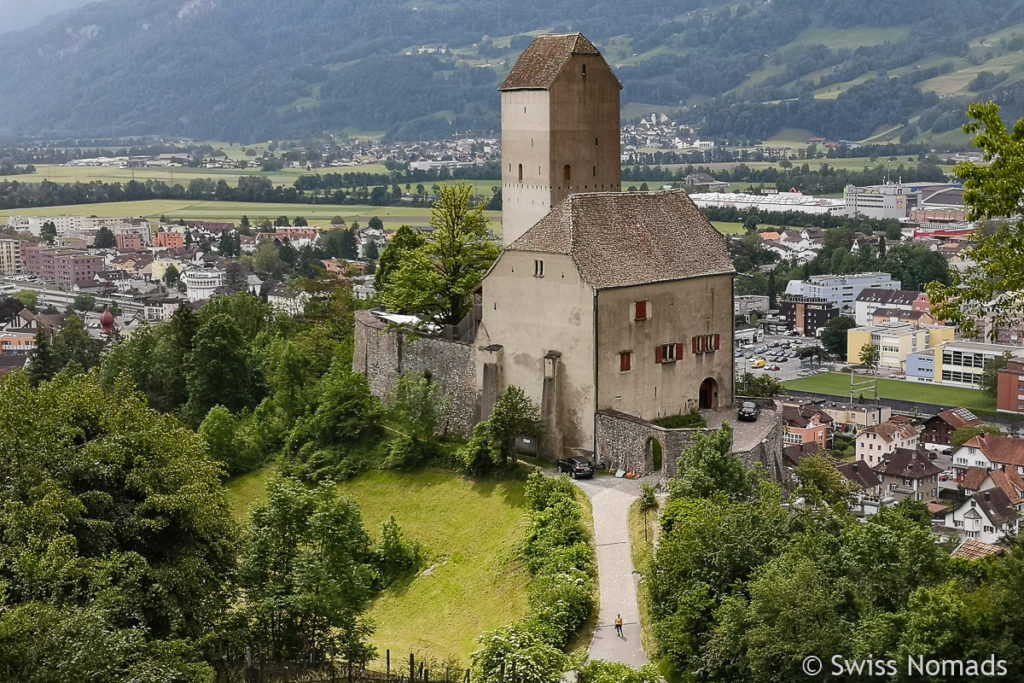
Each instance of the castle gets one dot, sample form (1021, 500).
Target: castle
(608, 309)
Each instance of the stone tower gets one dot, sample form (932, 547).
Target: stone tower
(559, 129)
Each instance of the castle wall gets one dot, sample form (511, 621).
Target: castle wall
(383, 354)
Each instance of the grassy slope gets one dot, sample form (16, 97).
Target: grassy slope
(838, 384)
(469, 529)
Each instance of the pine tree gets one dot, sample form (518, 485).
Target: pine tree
(44, 362)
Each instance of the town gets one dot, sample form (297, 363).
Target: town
(778, 380)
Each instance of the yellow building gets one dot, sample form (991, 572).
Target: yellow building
(895, 341)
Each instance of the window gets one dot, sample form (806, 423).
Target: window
(595, 142)
(538, 268)
(705, 343)
(625, 361)
(584, 71)
(595, 171)
(668, 353)
(520, 173)
(988, 529)
(566, 173)
(641, 310)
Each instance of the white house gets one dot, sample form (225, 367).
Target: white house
(877, 442)
(989, 452)
(988, 516)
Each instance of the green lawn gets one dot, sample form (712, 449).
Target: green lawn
(85, 174)
(838, 384)
(471, 531)
(316, 214)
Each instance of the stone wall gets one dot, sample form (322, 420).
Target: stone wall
(624, 442)
(383, 353)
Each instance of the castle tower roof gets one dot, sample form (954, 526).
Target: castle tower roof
(539, 65)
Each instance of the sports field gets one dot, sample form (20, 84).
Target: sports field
(838, 384)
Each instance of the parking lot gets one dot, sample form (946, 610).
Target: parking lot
(778, 352)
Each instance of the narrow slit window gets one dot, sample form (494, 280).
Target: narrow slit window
(584, 71)
(566, 173)
(538, 268)
(520, 173)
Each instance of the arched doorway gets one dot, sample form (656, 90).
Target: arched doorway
(708, 394)
(654, 454)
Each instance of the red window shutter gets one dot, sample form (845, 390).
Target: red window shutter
(657, 354)
(679, 350)
(694, 344)
(624, 361)
(641, 310)
(717, 338)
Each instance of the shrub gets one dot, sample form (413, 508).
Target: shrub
(690, 420)
(394, 556)
(542, 492)
(517, 648)
(648, 501)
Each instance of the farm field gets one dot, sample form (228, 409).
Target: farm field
(470, 531)
(87, 174)
(316, 214)
(838, 384)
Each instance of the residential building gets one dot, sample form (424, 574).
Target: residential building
(559, 129)
(10, 257)
(841, 290)
(875, 443)
(1010, 387)
(989, 452)
(806, 423)
(169, 240)
(292, 303)
(852, 418)
(64, 267)
(747, 304)
(870, 496)
(1010, 481)
(896, 315)
(128, 241)
(873, 298)
(807, 315)
(937, 429)
(908, 473)
(987, 516)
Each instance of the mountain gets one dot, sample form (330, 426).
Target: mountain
(16, 15)
(248, 70)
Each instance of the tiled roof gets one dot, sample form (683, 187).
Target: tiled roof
(996, 506)
(1010, 483)
(539, 65)
(1004, 450)
(960, 417)
(973, 549)
(800, 416)
(908, 464)
(973, 478)
(794, 453)
(621, 239)
(890, 430)
(860, 473)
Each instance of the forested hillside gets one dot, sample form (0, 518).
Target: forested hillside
(246, 70)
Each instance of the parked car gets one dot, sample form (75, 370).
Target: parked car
(576, 467)
(774, 368)
(748, 411)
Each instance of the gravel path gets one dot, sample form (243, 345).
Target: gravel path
(611, 499)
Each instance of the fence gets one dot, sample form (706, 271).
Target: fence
(395, 671)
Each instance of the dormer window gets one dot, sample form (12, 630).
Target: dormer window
(538, 268)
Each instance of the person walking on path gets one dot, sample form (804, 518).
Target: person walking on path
(618, 625)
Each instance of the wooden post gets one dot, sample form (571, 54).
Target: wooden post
(350, 669)
(387, 666)
(412, 667)
(421, 671)
(467, 676)
(501, 674)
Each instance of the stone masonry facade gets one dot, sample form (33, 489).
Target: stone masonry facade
(383, 353)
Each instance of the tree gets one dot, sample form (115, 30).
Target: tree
(517, 648)
(44, 363)
(300, 222)
(869, 356)
(708, 466)
(104, 239)
(988, 288)
(117, 534)
(74, 345)
(48, 232)
(267, 260)
(513, 416)
(84, 302)
(404, 242)
(28, 298)
(962, 435)
(376, 223)
(436, 280)
(370, 251)
(171, 276)
(834, 336)
(821, 483)
(219, 370)
(281, 221)
(990, 375)
(417, 405)
(306, 575)
(218, 430)
(226, 245)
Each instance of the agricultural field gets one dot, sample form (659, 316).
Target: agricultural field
(182, 176)
(315, 214)
(838, 384)
(470, 531)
